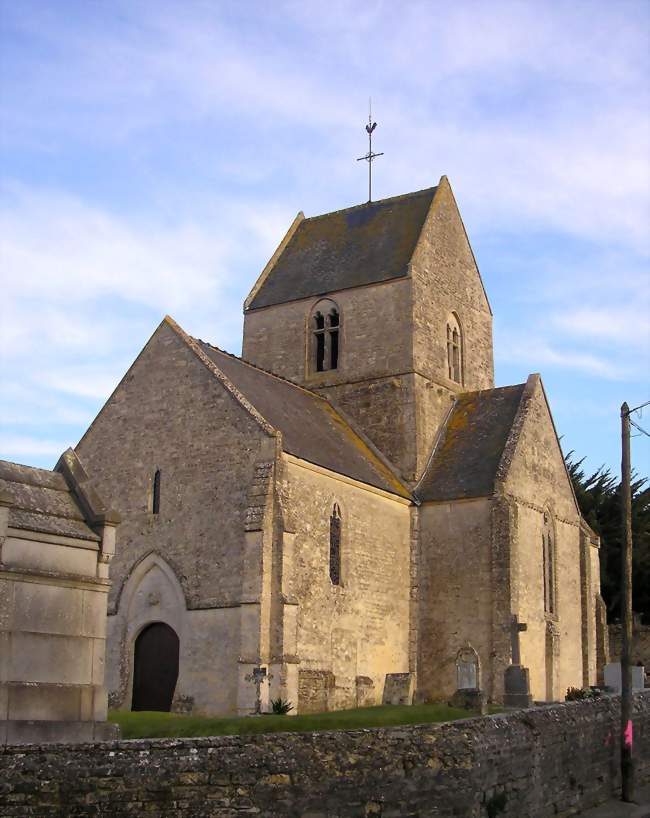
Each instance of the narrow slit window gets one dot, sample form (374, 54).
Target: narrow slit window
(335, 545)
(155, 498)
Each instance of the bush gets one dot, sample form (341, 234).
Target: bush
(280, 707)
(577, 694)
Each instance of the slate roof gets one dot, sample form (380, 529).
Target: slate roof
(360, 245)
(470, 446)
(311, 428)
(41, 501)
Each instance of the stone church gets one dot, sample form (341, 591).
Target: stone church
(352, 501)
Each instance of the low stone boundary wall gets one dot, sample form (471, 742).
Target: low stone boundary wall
(546, 761)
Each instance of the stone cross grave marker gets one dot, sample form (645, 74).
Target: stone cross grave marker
(517, 680)
(516, 627)
(257, 677)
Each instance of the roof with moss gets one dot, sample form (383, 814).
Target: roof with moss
(311, 428)
(42, 501)
(470, 445)
(361, 245)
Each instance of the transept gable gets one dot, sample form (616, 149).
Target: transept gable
(532, 460)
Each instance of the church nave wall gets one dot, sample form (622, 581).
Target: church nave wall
(349, 636)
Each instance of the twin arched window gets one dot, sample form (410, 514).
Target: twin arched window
(325, 324)
(454, 350)
(548, 562)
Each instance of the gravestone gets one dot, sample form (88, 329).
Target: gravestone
(467, 669)
(613, 677)
(468, 695)
(398, 688)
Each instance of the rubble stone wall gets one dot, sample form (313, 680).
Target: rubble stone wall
(547, 761)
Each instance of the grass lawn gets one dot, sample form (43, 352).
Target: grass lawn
(146, 724)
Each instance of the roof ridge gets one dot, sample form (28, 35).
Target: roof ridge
(491, 389)
(20, 478)
(400, 196)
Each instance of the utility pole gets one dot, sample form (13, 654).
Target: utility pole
(627, 760)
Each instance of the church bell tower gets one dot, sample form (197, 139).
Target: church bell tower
(381, 309)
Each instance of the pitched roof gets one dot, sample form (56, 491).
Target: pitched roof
(470, 445)
(311, 428)
(41, 500)
(360, 245)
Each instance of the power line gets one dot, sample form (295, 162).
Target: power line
(636, 426)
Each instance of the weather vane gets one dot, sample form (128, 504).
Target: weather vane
(370, 127)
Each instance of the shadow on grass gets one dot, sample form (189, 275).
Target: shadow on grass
(147, 724)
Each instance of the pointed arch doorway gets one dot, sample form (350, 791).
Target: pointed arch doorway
(155, 668)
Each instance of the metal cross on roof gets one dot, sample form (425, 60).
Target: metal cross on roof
(370, 156)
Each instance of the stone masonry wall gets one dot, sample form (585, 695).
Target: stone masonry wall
(548, 761)
(171, 413)
(456, 595)
(537, 482)
(358, 630)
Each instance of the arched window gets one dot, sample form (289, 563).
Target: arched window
(548, 561)
(335, 545)
(325, 336)
(155, 494)
(454, 350)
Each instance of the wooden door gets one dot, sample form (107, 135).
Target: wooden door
(155, 668)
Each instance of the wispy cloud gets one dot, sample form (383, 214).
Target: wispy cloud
(537, 353)
(155, 154)
(21, 446)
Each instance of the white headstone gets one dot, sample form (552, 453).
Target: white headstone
(467, 669)
(613, 677)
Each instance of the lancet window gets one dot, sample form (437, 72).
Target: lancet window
(325, 336)
(548, 560)
(155, 494)
(335, 545)
(454, 350)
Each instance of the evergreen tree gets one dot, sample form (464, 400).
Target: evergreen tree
(599, 499)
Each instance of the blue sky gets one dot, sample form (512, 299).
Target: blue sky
(154, 153)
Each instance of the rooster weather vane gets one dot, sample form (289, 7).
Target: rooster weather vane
(370, 127)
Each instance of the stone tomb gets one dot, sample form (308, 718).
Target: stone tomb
(56, 541)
